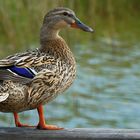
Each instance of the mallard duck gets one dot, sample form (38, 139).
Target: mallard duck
(31, 79)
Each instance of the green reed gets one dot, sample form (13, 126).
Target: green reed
(20, 20)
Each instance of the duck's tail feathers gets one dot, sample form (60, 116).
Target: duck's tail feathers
(3, 96)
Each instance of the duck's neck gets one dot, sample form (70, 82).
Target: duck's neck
(48, 34)
(55, 45)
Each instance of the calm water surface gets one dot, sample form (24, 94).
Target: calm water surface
(105, 94)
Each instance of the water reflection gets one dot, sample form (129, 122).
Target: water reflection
(105, 93)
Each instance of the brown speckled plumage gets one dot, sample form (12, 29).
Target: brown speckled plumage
(50, 70)
(54, 75)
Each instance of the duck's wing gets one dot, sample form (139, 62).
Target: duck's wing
(19, 67)
(28, 59)
(17, 74)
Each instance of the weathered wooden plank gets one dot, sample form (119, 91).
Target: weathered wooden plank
(69, 134)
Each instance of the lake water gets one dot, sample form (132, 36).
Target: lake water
(105, 94)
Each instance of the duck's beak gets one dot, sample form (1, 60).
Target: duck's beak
(80, 25)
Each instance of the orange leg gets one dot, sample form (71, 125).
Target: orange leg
(42, 124)
(17, 122)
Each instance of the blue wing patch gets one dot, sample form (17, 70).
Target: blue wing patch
(24, 72)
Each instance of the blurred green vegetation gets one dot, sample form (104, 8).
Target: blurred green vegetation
(20, 21)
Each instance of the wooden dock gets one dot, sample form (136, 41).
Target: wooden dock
(69, 134)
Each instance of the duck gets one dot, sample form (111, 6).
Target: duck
(35, 77)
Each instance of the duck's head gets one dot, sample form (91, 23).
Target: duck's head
(61, 17)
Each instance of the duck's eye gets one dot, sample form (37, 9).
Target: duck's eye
(65, 14)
